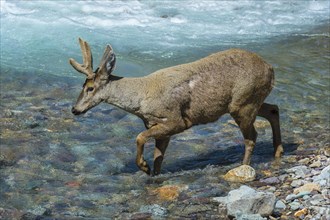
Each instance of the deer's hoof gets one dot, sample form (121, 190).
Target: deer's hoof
(145, 167)
(279, 151)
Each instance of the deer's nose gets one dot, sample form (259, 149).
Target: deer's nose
(74, 111)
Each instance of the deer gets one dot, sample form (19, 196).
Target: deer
(174, 99)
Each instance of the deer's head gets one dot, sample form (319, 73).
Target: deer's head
(92, 94)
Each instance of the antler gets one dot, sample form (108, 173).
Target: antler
(87, 66)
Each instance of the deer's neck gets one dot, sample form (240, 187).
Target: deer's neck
(125, 93)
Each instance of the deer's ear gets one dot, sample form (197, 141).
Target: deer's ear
(108, 61)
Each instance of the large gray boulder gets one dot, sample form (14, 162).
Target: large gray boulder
(246, 200)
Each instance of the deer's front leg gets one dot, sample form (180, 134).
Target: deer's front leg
(160, 148)
(158, 132)
(140, 162)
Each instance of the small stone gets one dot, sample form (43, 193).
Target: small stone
(250, 217)
(327, 152)
(306, 197)
(241, 174)
(290, 197)
(271, 180)
(168, 192)
(300, 171)
(315, 164)
(141, 216)
(248, 201)
(284, 217)
(282, 177)
(301, 213)
(308, 187)
(296, 183)
(324, 176)
(155, 210)
(277, 193)
(304, 161)
(294, 205)
(316, 199)
(280, 205)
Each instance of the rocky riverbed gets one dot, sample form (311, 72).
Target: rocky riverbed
(56, 166)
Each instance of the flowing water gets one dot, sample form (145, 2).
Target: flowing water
(61, 166)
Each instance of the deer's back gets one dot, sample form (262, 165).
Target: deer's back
(203, 90)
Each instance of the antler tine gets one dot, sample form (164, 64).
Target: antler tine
(87, 66)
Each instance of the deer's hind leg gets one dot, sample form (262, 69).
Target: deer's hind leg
(245, 117)
(271, 113)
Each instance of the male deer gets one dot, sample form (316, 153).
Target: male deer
(174, 99)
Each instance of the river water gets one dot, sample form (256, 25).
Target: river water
(57, 165)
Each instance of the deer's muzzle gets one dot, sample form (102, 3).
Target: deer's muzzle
(75, 111)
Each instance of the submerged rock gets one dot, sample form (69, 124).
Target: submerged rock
(241, 174)
(248, 201)
(155, 210)
(169, 192)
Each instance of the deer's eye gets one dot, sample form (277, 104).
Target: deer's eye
(90, 89)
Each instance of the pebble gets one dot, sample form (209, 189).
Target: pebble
(299, 171)
(280, 205)
(296, 183)
(294, 205)
(249, 201)
(271, 180)
(308, 187)
(315, 164)
(324, 177)
(155, 210)
(301, 213)
(241, 174)
(304, 161)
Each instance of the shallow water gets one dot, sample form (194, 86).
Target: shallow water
(68, 167)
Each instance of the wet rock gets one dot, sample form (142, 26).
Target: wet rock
(40, 211)
(271, 180)
(326, 152)
(250, 217)
(315, 164)
(324, 178)
(317, 199)
(301, 213)
(155, 210)
(308, 187)
(294, 205)
(241, 174)
(29, 216)
(280, 205)
(6, 161)
(321, 210)
(141, 216)
(299, 171)
(296, 183)
(304, 161)
(223, 212)
(249, 201)
(169, 192)
(192, 209)
(10, 213)
(294, 196)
